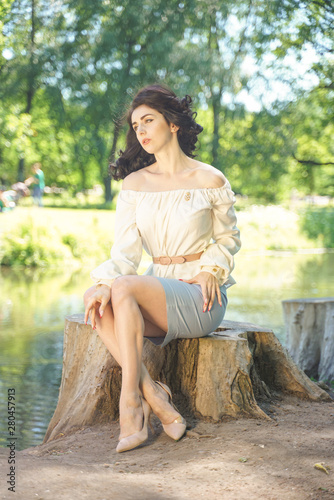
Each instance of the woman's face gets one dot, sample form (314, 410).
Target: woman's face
(151, 128)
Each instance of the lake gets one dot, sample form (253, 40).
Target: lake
(33, 305)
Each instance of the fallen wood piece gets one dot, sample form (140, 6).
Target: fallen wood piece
(310, 335)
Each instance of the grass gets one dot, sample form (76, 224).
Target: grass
(64, 220)
(272, 228)
(86, 236)
(81, 236)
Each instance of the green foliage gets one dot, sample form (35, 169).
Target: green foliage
(254, 151)
(72, 241)
(68, 199)
(82, 248)
(299, 28)
(31, 246)
(318, 225)
(271, 227)
(54, 237)
(72, 67)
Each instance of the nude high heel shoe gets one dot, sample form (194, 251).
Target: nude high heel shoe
(138, 438)
(176, 429)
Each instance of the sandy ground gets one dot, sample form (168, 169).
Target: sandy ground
(237, 459)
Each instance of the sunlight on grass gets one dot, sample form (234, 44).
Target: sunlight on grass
(64, 220)
(271, 227)
(86, 236)
(81, 235)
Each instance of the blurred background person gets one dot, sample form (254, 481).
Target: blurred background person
(37, 182)
(6, 200)
(3, 200)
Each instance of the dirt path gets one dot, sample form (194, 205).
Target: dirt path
(240, 459)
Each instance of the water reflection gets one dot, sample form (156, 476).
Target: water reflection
(32, 311)
(33, 306)
(263, 282)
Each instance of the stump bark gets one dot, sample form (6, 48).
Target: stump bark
(310, 335)
(228, 373)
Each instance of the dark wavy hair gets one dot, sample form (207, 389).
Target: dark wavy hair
(175, 110)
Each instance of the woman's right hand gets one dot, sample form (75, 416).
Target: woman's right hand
(97, 302)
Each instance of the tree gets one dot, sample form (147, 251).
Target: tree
(23, 66)
(71, 68)
(313, 155)
(207, 61)
(301, 28)
(112, 51)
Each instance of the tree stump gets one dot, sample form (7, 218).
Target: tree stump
(225, 374)
(310, 335)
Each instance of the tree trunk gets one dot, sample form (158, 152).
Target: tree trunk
(107, 178)
(108, 194)
(310, 335)
(31, 76)
(229, 373)
(216, 107)
(20, 171)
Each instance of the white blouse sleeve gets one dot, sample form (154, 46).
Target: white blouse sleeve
(218, 257)
(126, 251)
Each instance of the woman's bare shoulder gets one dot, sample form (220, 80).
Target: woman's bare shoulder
(209, 176)
(133, 181)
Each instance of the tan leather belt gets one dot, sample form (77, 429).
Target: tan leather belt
(179, 259)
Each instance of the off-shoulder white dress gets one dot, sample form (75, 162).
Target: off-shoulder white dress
(173, 223)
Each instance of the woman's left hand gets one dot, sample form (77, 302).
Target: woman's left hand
(210, 287)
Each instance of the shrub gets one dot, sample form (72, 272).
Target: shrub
(73, 243)
(318, 224)
(31, 246)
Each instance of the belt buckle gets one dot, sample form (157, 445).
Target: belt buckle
(165, 260)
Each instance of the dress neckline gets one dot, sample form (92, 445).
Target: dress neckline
(182, 190)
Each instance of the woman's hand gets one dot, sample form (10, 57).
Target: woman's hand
(98, 301)
(210, 288)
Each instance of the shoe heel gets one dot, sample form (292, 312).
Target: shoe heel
(176, 429)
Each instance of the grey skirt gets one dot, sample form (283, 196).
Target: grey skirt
(185, 316)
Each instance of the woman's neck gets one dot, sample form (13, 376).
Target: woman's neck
(171, 160)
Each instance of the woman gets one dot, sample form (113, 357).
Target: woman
(172, 205)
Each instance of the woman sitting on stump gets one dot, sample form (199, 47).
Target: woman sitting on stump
(172, 206)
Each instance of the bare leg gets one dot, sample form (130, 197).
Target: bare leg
(137, 377)
(129, 328)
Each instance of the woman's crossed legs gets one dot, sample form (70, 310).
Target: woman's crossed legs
(137, 308)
